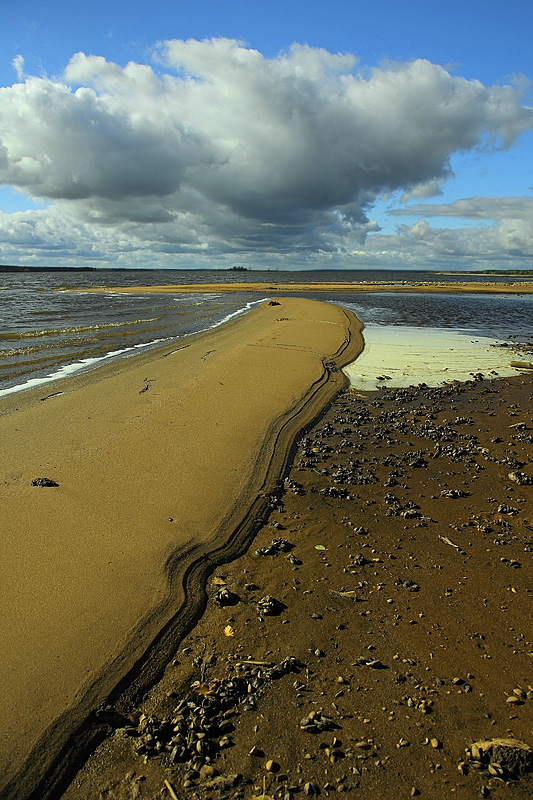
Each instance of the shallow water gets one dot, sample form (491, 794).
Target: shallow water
(404, 356)
(48, 331)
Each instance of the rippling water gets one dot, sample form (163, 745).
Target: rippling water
(46, 330)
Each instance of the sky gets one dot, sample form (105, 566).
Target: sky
(325, 134)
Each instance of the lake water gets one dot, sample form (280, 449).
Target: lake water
(47, 331)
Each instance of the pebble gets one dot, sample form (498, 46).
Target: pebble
(44, 482)
(315, 722)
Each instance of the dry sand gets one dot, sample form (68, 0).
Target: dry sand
(403, 596)
(163, 462)
(444, 287)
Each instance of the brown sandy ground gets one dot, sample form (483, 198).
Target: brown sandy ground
(443, 287)
(396, 630)
(157, 468)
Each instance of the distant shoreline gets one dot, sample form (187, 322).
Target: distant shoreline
(8, 268)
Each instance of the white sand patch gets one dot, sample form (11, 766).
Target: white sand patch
(404, 356)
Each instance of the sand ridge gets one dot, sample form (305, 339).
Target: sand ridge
(162, 460)
(348, 287)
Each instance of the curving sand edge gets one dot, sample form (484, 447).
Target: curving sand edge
(164, 462)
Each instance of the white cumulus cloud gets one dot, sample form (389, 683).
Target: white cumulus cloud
(216, 149)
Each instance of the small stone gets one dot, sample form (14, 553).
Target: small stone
(207, 771)
(227, 741)
(435, 743)
(44, 482)
(271, 766)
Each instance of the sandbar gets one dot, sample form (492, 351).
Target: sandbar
(164, 462)
(348, 287)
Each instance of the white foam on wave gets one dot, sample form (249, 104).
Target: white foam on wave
(404, 356)
(78, 366)
(91, 363)
(239, 312)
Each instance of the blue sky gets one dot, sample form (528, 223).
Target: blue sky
(288, 134)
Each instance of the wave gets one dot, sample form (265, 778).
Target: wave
(72, 329)
(78, 366)
(92, 362)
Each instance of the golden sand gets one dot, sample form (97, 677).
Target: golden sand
(161, 461)
(348, 287)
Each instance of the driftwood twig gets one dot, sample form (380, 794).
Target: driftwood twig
(170, 790)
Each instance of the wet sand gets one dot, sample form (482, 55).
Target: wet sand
(445, 287)
(378, 626)
(163, 463)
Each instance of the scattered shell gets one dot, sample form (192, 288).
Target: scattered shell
(223, 597)
(403, 743)
(268, 605)
(276, 546)
(520, 478)
(513, 756)
(315, 722)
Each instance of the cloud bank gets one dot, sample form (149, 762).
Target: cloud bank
(214, 153)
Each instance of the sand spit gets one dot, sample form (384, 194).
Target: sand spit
(379, 626)
(163, 463)
(442, 287)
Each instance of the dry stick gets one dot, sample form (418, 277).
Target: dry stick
(448, 541)
(254, 663)
(171, 791)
